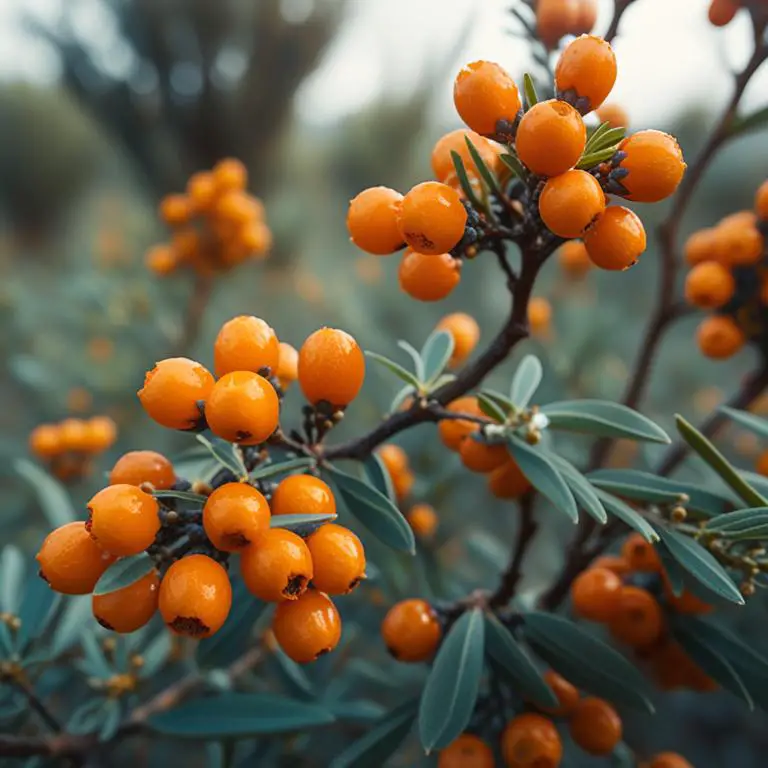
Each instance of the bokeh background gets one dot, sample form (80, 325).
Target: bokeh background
(107, 105)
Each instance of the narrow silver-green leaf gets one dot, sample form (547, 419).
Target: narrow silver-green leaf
(502, 402)
(418, 363)
(11, 578)
(608, 138)
(490, 408)
(627, 515)
(734, 524)
(595, 158)
(595, 136)
(513, 163)
(485, 173)
(637, 492)
(466, 185)
(753, 423)
(585, 495)
(302, 523)
(526, 381)
(281, 468)
(436, 353)
(379, 476)
(76, 617)
(126, 571)
(37, 610)
(54, 500)
(529, 91)
(227, 454)
(192, 498)
(395, 368)
(397, 401)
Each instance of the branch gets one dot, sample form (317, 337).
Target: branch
(37, 704)
(618, 11)
(195, 312)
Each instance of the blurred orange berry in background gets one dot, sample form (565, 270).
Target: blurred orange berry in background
(587, 67)
(465, 333)
(719, 337)
(573, 259)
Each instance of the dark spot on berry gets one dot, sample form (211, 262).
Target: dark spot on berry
(421, 239)
(354, 583)
(241, 435)
(235, 540)
(189, 625)
(322, 652)
(295, 586)
(43, 576)
(105, 624)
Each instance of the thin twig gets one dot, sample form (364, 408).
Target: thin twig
(618, 11)
(195, 312)
(37, 704)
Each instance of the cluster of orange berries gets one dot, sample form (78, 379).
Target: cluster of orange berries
(729, 277)
(722, 12)
(216, 223)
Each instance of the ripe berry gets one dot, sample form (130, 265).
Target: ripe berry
(423, 520)
(531, 741)
(331, 367)
(432, 218)
(45, 441)
(484, 93)
(230, 174)
(637, 619)
(138, 467)
(539, 315)
(467, 751)
(123, 519)
(245, 343)
(566, 693)
(338, 559)
(709, 285)
(465, 333)
(669, 760)
(569, 203)
(618, 565)
(700, 246)
(308, 627)
(640, 554)
(719, 337)
(73, 435)
(573, 259)
(453, 431)
(201, 190)
(761, 201)
(555, 19)
(595, 726)
(394, 458)
(277, 565)
(550, 138)
(761, 465)
(587, 66)
(287, 365)
(101, 433)
(428, 278)
(594, 594)
(303, 494)
(129, 608)
(455, 141)
(71, 561)
(613, 114)
(372, 220)
(655, 166)
(739, 244)
(233, 515)
(508, 481)
(172, 391)
(175, 210)
(721, 12)
(195, 596)
(616, 240)
(411, 630)
(482, 457)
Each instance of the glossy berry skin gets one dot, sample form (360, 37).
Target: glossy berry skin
(719, 337)
(508, 481)
(721, 12)
(669, 760)
(637, 620)
(432, 218)
(550, 138)
(123, 520)
(139, 467)
(172, 390)
(761, 201)
(567, 694)
(73, 435)
(573, 259)
(654, 163)
(331, 367)
(71, 561)
(243, 408)
(195, 596)
(531, 741)
(372, 220)
(129, 608)
(709, 285)
(456, 141)
(338, 559)
(233, 515)
(44, 441)
(588, 67)
(481, 457)
(595, 726)
(483, 94)
(277, 565)
(616, 240)
(640, 555)
(411, 631)
(464, 331)
(303, 494)
(245, 343)
(453, 431)
(287, 365)
(467, 751)
(423, 520)
(308, 627)
(595, 593)
(428, 278)
(175, 210)
(569, 203)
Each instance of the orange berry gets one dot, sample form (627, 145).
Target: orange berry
(555, 19)
(739, 219)
(71, 561)
(669, 760)
(615, 563)
(403, 484)
(566, 693)
(277, 565)
(701, 246)
(233, 515)
(186, 246)
(654, 163)
(255, 238)
(331, 367)
(467, 751)
(287, 370)
(129, 608)
(411, 630)
(45, 441)
(432, 218)
(686, 602)
(761, 466)
(201, 190)
(230, 174)
(303, 494)
(453, 431)
(573, 259)
(484, 93)
(539, 315)
(338, 559)
(640, 554)
(637, 619)
(372, 220)
(245, 343)
(594, 594)
(423, 520)
(455, 141)
(243, 408)
(308, 627)
(595, 726)
(482, 457)
(739, 244)
(587, 17)
(175, 210)
(761, 201)
(236, 207)
(616, 240)
(465, 333)
(587, 66)
(161, 259)
(428, 278)
(719, 337)
(139, 467)
(613, 114)
(172, 391)
(123, 520)
(709, 285)
(550, 138)
(570, 202)
(394, 459)
(531, 741)
(508, 481)
(73, 435)
(195, 596)
(721, 12)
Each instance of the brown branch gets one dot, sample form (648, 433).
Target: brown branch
(37, 704)
(618, 11)
(195, 312)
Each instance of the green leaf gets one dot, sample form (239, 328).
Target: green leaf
(753, 423)
(112, 714)
(526, 381)
(743, 524)
(585, 661)
(294, 675)
(529, 90)
(628, 516)
(360, 711)
(513, 163)
(637, 492)
(436, 353)
(37, 610)
(193, 498)
(303, 523)
(449, 696)
(418, 363)
(501, 646)
(543, 476)
(395, 368)
(675, 575)
(379, 476)
(487, 175)
(606, 139)
(155, 653)
(227, 454)
(466, 185)
(53, 498)
(490, 408)
(603, 418)
(502, 402)
(582, 491)
(127, 570)
(11, 578)
(595, 158)
(238, 716)
(596, 135)
(375, 511)
(94, 661)
(400, 398)
(281, 468)
(75, 618)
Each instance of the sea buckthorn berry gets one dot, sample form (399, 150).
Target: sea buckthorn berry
(555, 19)
(539, 315)
(277, 565)
(411, 630)
(101, 433)
(616, 240)
(139, 467)
(477, 456)
(484, 93)
(73, 434)
(615, 563)
(230, 174)
(403, 484)
(613, 114)
(233, 515)
(550, 138)
(686, 602)
(570, 202)
(235, 207)
(129, 608)
(123, 519)
(640, 554)
(655, 166)
(172, 391)
(303, 494)
(372, 220)
(338, 559)
(761, 465)
(161, 259)
(287, 370)
(721, 12)
(175, 210)
(465, 333)
(45, 441)
(740, 245)
(700, 246)
(595, 726)
(761, 201)
(587, 66)
(719, 337)
(587, 17)
(201, 190)
(508, 481)
(243, 408)
(308, 627)
(566, 693)
(423, 520)
(709, 285)
(456, 141)
(531, 741)
(738, 219)
(467, 751)
(331, 367)
(428, 278)
(195, 596)
(71, 561)
(453, 431)
(394, 458)
(637, 619)
(432, 218)
(245, 343)
(669, 760)
(573, 259)
(594, 594)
